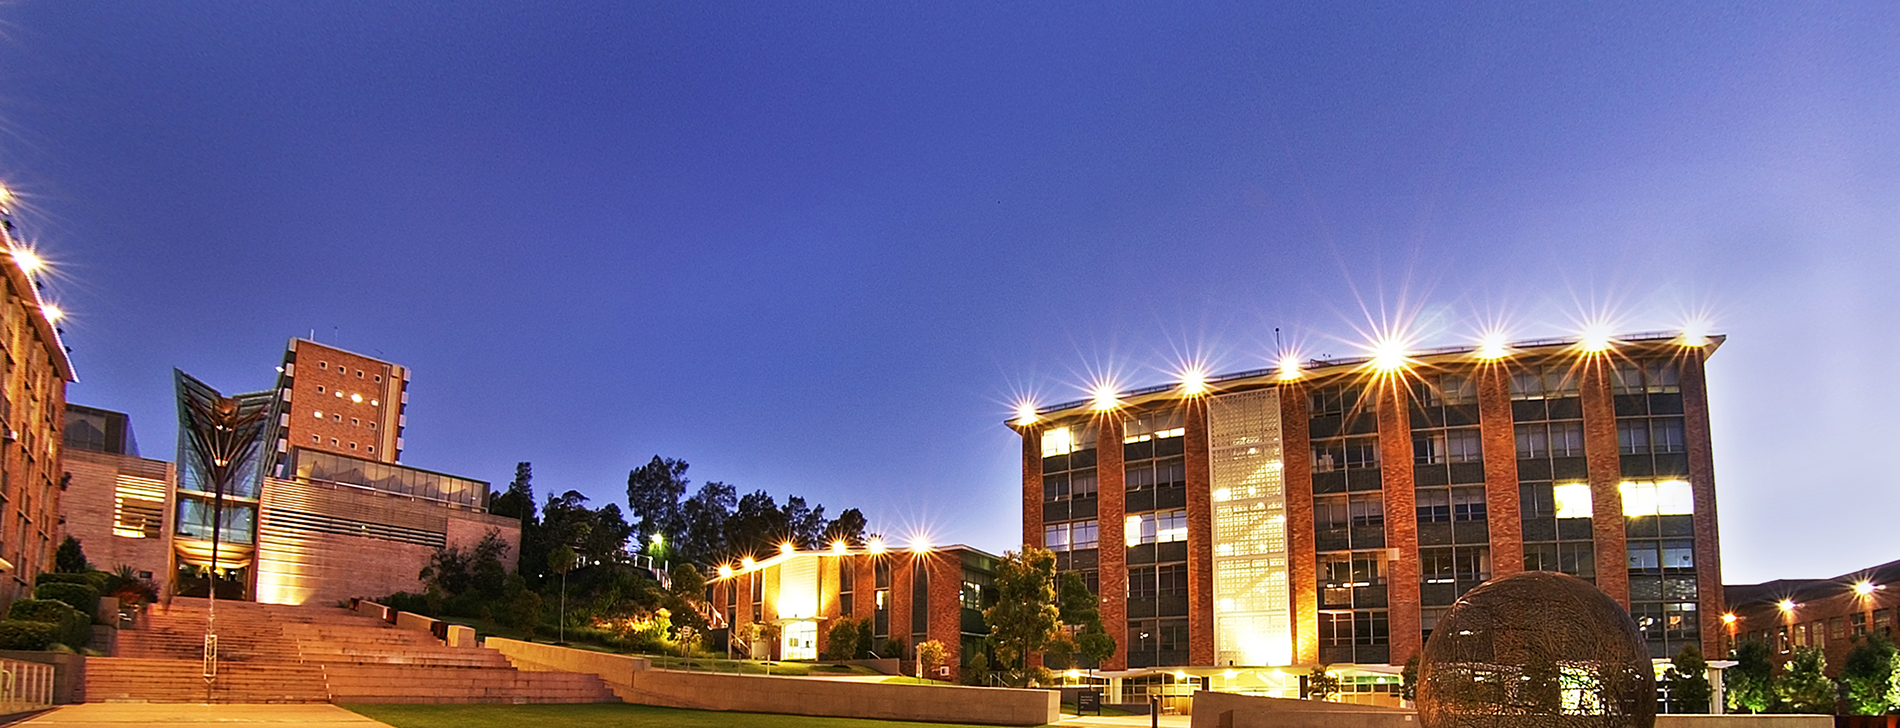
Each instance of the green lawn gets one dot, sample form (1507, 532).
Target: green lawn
(603, 715)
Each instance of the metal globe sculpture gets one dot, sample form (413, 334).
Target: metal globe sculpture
(1537, 649)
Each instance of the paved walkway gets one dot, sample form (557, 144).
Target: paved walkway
(128, 715)
(1124, 721)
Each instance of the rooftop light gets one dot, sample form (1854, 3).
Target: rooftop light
(787, 548)
(28, 260)
(747, 563)
(1493, 345)
(725, 570)
(1388, 354)
(1695, 333)
(53, 314)
(1596, 337)
(919, 544)
(1289, 367)
(1864, 587)
(839, 546)
(1026, 413)
(1194, 381)
(1786, 605)
(875, 545)
(1728, 618)
(1104, 397)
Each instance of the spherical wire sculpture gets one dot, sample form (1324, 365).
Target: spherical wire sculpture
(1536, 649)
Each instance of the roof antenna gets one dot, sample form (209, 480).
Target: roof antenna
(1279, 349)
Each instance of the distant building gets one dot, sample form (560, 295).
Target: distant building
(909, 597)
(115, 501)
(1330, 512)
(319, 511)
(32, 405)
(1788, 614)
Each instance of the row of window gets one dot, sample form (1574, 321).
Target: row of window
(318, 440)
(340, 369)
(1818, 632)
(357, 398)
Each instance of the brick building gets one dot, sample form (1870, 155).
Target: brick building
(31, 405)
(322, 511)
(1788, 614)
(908, 596)
(1330, 511)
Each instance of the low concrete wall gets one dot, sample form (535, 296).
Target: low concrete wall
(462, 636)
(417, 622)
(618, 669)
(1226, 710)
(368, 608)
(841, 699)
(634, 680)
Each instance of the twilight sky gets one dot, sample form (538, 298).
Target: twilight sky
(821, 248)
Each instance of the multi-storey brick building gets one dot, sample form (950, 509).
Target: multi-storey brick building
(1789, 614)
(908, 597)
(1328, 512)
(342, 402)
(31, 413)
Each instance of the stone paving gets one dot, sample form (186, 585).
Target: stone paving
(126, 715)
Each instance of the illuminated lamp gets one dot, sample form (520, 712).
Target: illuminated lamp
(747, 563)
(1194, 381)
(1026, 413)
(1728, 618)
(1864, 588)
(1388, 355)
(839, 546)
(1289, 368)
(1492, 346)
(725, 570)
(52, 312)
(1695, 333)
(1596, 338)
(1786, 605)
(787, 548)
(28, 261)
(1104, 397)
(875, 545)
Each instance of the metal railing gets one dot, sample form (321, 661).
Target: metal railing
(25, 686)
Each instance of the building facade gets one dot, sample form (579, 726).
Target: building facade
(115, 501)
(1789, 614)
(342, 402)
(1329, 512)
(32, 406)
(907, 597)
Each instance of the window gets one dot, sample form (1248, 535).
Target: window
(1367, 509)
(372, 448)
(1434, 506)
(1573, 500)
(320, 389)
(1334, 400)
(1061, 440)
(1158, 527)
(352, 446)
(1069, 486)
(1069, 536)
(1456, 445)
(1657, 377)
(1666, 498)
(1154, 426)
(323, 365)
(1555, 439)
(372, 425)
(971, 596)
(333, 442)
(354, 422)
(1345, 453)
(1467, 504)
(315, 439)
(1342, 629)
(319, 414)
(378, 378)
(359, 374)
(1445, 390)
(1549, 381)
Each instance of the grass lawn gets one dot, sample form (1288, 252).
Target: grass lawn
(603, 715)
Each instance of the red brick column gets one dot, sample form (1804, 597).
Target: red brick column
(1302, 555)
(946, 607)
(1503, 515)
(1606, 474)
(1401, 515)
(1032, 484)
(1112, 508)
(1200, 516)
(901, 567)
(1708, 549)
(863, 586)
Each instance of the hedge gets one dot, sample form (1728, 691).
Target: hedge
(81, 596)
(19, 634)
(70, 626)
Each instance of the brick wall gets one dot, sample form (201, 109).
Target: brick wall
(1112, 500)
(1302, 554)
(1503, 512)
(90, 506)
(1708, 546)
(1606, 473)
(1401, 514)
(1200, 515)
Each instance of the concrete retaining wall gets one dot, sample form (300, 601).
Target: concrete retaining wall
(842, 699)
(1226, 710)
(634, 680)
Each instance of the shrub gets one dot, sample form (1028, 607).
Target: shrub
(69, 626)
(82, 597)
(19, 634)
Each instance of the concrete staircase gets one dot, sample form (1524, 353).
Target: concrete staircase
(285, 654)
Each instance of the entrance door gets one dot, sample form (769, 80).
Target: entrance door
(801, 641)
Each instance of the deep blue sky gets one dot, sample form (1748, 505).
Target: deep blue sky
(820, 248)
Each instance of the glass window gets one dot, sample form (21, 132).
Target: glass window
(1665, 434)
(1667, 498)
(1533, 441)
(1632, 436)
(1573, 500)
(1082, 535)
(1467, 504)
(1065, 440)
(1434, 505)
(1678, 554)
(1055, 536)
(1367, 509)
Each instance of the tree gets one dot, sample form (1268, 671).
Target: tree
(807, 524)
(518, 501)
(1095, 644)
(1076, 605)
(1408, 679)
(846, 639)
(1804, 687)
(1321, 684)
(560, 561)
(688, 583)
(70, 558)
(1750, 682)
(1059, 653)
(653, 496)
(849, 528)
(756, 527)
(1869, 677)
(703, 523)
(1025, 615)
(930, 654)
(1688, 680)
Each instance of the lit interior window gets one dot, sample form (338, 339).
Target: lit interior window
(1667, 498)
(1058, 441)
(1573, 500)
(319, 414)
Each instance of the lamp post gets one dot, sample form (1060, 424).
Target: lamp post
(224, 434)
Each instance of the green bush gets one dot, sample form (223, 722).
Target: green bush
(18, 634)
(70, 626)
(82, 597)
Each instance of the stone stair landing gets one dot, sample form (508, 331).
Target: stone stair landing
(308, 654)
